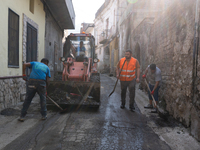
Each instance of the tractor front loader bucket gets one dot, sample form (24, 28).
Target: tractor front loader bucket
(74, 93)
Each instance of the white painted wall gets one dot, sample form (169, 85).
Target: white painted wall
(109, 12)
(20, 7)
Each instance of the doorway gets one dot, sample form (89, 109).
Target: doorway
(31, 46)
(137, 52)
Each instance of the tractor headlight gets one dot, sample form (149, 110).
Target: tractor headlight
(95, 60)
(63, 59)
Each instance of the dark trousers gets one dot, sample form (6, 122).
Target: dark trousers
(131, 87)
(155, 95)
(34, 86)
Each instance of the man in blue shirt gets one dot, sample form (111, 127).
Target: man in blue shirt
(80, 50)
(38, 80)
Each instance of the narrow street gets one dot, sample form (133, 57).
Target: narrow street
(85, 129)
(74, 52)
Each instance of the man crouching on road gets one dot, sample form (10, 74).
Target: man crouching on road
(38, 80)
(128, 66)
(155, 78)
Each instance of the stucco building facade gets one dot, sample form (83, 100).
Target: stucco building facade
(23, 38)
(105, 35)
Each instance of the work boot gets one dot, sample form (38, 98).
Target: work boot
(21, 119)
(132, 109)
(122, 106)
(154, 110)
(44, 117)
(149, 106)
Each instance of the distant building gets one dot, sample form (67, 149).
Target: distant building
(87, 28)
(106, 36)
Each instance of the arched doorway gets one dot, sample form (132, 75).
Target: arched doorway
(106, 60)
(137, 52)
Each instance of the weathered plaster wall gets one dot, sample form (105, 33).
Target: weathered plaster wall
(53, 43)
(105, 22)
(169, 44)
(167, 40)
(140, 42)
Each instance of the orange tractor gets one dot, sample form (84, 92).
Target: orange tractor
(79, 83)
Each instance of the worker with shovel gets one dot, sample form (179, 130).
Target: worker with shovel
(38, 80)
(155, 78)
(126, 71)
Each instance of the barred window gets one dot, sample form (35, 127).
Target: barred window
(13, 39)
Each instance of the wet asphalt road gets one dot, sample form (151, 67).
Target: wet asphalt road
(109, 128)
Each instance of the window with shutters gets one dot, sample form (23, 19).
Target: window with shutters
(13, 39)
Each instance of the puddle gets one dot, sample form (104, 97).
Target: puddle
(10, 112)
(122, 125)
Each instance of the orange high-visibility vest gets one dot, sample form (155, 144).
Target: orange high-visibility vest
(128, 71)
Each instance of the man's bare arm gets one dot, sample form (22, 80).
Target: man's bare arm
(146, 71)
(24, 67)
(156, 85)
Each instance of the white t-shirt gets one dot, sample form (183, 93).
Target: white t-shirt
(153, 77)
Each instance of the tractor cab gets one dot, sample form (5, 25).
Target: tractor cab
(80, 47)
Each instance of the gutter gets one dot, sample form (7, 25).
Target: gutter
(196, 44)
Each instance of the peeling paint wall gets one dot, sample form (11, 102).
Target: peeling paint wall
(53, 43)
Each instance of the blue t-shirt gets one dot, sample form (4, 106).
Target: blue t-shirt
(81, 49)
(39, 71)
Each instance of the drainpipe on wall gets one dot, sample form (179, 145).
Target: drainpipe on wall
(195, 50)
(196, 39)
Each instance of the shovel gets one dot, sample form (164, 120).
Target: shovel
(162, 113)
(150, 92)
(117, 79)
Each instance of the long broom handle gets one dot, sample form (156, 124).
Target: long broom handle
(150, 92)
(117, 80)
(119, 73)
(122, 67)
(54, 102)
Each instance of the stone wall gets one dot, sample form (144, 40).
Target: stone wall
(11, 91)
(140, 42)
(168, 41)
(170, 46)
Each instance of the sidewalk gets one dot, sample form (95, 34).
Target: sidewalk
(11, 128)
(173, 133)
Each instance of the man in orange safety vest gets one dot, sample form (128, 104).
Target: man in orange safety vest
(128, 71)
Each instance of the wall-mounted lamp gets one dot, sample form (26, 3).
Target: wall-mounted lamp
(103, 34)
